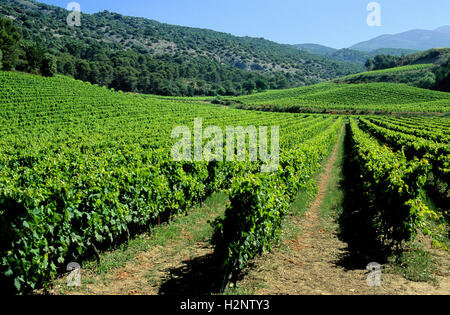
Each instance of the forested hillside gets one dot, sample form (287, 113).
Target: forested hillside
(141, 55)
(429, 69)
(351, 55)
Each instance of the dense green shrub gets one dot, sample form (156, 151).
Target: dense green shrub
(49, 67)
(393, 187)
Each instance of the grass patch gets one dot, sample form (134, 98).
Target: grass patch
(415, 264)
(298, 209)
(332, 203)
(439, 227)
(244, 290)
(303, 199)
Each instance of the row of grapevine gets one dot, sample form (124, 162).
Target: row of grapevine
(422, 138)
(415, 147)
(433, 134)
(252, 222)
(393, 184)
(58, 208)
(428, 124)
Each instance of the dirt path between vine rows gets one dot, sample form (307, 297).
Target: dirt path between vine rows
(314, 263)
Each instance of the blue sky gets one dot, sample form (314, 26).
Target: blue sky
(332, 23)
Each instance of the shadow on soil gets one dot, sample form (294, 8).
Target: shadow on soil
(198, 276)
(355, 227)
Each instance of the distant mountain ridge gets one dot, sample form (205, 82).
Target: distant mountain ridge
(398, 44)
(443, 29)
(414, 39)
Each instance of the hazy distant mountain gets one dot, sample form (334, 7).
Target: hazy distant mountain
(443, 29)
(414, 39)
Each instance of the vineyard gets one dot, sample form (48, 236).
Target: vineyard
(396, 172)
(384, 98)
(83, 168)
(416, 67)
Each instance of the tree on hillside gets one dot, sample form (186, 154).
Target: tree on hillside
(249, 86)
(281, 82)
(83, 70)
(48, 67)
(10, 40)
(428, 81)
(66, 65)
(261, 85)
(1, 60)
(106, 74)
(125, 79)
(385, 61)
(442, 74)
(369, 64)
(34, 56)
